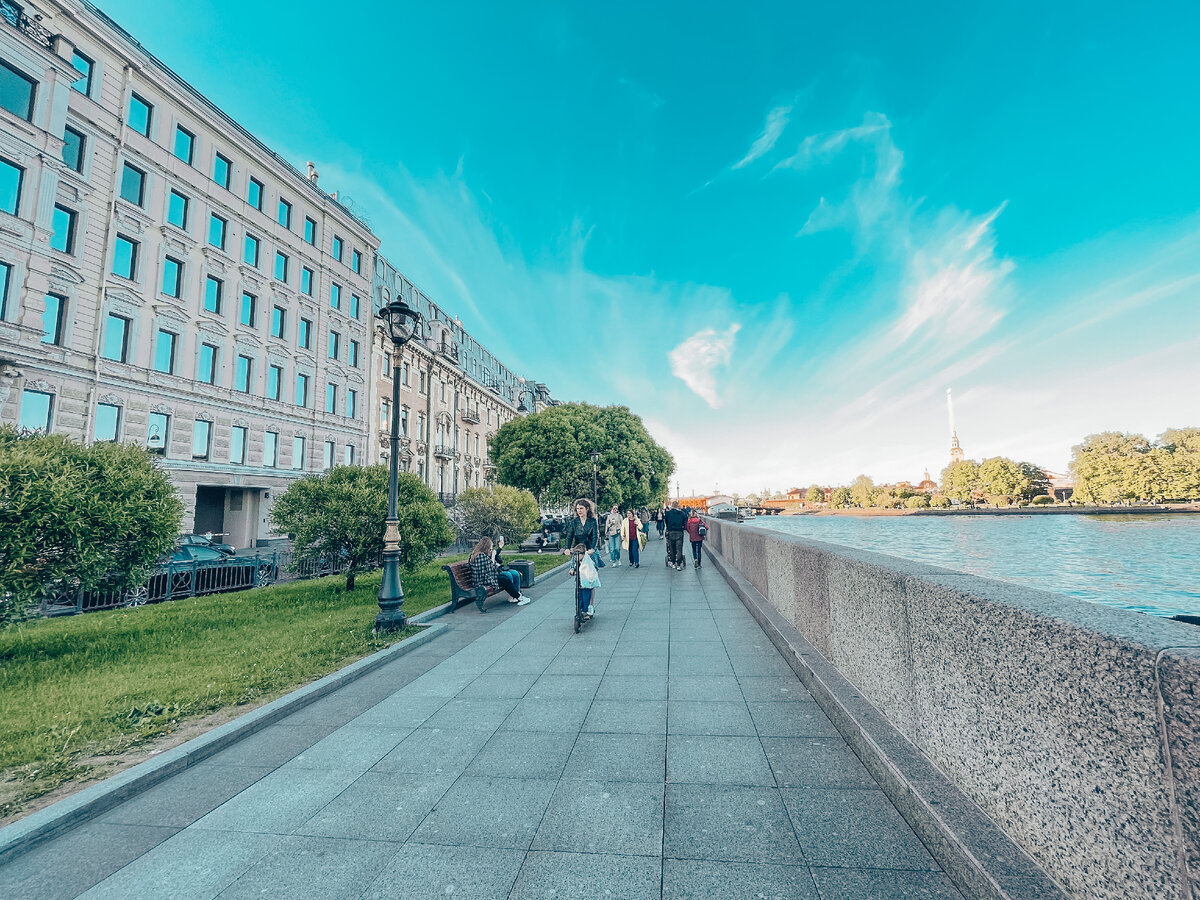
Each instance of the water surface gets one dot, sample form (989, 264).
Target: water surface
(1148, 563)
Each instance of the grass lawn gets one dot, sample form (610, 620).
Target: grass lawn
(75, 690)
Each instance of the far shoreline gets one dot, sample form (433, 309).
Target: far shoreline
(1000, 511)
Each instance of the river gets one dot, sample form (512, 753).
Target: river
(1148, 563)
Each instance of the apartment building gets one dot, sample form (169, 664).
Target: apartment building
(165, 278)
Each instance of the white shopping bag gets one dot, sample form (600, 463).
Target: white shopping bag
(588, 576)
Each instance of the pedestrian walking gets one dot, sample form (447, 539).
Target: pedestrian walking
(658, 522)
(612, 532)
(485, 572)
(675, 523)
(696, 530)
(633, 538)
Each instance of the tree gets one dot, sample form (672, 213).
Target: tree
(883, 498)
(841, 498)
(496, 511)
(550, 454)
(1002, 480)
(1039, 481)
(80, 517)
(339, 515)
(917, 501)
(960, 480)
(1104, 465)
(816, 494)
(861, 490)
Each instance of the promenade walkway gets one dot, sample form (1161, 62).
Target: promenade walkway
(667, 751)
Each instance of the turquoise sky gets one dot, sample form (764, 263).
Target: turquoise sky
(779, 232)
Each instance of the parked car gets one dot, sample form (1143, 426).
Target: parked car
(193, 569)
(203, 540)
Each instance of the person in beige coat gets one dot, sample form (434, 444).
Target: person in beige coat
(633, 538)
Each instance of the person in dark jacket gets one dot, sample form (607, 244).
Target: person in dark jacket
(675, 523)
(582, 528)
(694, 526)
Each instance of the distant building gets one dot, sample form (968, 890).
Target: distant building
(927, 485)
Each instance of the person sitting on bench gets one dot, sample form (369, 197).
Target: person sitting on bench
(485, 572)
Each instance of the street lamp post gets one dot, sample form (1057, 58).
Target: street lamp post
(595, 472)
(401, 323)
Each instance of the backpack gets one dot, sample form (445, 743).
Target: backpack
(702, 530)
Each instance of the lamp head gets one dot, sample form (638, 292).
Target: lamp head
(595, 457)
(400, 321)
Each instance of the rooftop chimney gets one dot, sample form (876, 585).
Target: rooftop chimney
(312, 172)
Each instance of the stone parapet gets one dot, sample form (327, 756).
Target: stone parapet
(1074, 726)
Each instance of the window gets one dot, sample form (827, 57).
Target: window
(355, 261)
(351, 403)
(274, 381)
(125, 257)
(11, 177)
(53, 319)
(337, 248)
(172, 283)
(237, 444)
(386, 369)
(116, 338)
(284, 215)
(84, 67)
(158, 432)
(278, 321)
(352, 355)
(133, 184)
(63, 236)
(331, 398)
(17, 91)
(310, 230)
(214, 288)
(306, 281)
(140, 114)
(298, 453)
(216, 231)
(421, 379)
(443, 391)
(245, 368)
(249, 314)
(164, 351)
(404, 422)
(420, 426)
(301, 389)
(349, 454)
(206, 366)
(254, 193)
(36, 408)
(354, 306)
(185, 144)
(250, 254)
(281, 267)
(385, 413)
(222, 170)
(404, 374)
(335, 341)
(201, 438)
(108, 423)
(270, 449)
(72, 152)
(304, 334)
(5, 278)
(177, 210)
(335, 295)
(330, 450)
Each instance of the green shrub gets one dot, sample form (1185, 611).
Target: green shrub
(917, 501)
(75, 516)
(495, 511)
(340, 515)
(940, 502)
(1043, 500)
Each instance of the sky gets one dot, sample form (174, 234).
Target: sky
(778, 232)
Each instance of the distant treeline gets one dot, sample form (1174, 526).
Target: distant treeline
(1112, 467)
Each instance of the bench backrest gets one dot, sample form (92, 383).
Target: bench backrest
(462, 575)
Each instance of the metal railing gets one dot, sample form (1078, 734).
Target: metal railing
(13, 14)
(447, 498)
(193, 578)
(445, 451)
(470, 416)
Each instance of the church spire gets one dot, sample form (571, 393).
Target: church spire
(956, 453)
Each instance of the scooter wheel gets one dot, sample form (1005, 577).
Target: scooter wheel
(578, 622)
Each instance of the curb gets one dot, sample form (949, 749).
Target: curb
(978, 856)
(103, 796)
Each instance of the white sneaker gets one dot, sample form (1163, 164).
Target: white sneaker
(514, 599)
(591, 610)
(523, 601)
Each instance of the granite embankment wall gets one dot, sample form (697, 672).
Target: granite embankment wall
(1075, 726)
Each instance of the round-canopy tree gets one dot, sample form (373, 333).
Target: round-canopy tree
(339, 516)
(496, 511)
(550, 454)
(75, 516)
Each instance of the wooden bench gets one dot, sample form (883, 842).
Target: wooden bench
(531, 545)
(463, 589)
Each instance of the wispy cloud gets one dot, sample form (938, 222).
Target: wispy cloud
(818, 147)
(777, 121)
(696, 361)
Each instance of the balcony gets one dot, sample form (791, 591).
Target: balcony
(470, 416)
(443, 451)
(448, 349)
(12, 14)
(447, 498)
